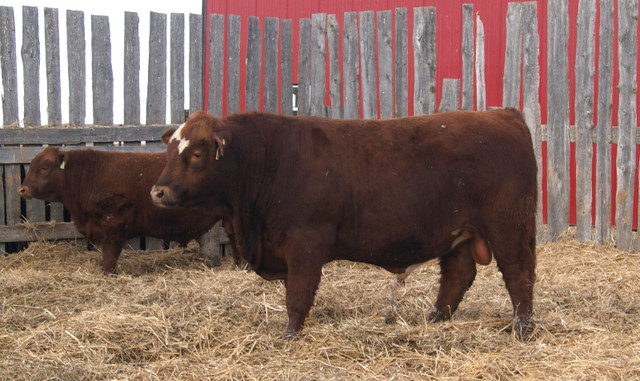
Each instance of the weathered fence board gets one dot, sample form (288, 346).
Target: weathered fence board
(216, 64)
(481, 92)
(513, 57)
(176, 68)
(318, 63)
(31, 65)
(603, 129)
(304, 68)
(196, 69)
(8, 61)
(101, 72)
(335, 78)
(52, 54)
(424, 60)
(77, 71)
(467, 57)
(270, 67)
(401, 107)
(584, 74)
(2, 213)
(385, 64)
(450, 95)
(286, 70)
(625, 161)
(254, 60)
(530, 94)
(368, 96)
(350, 65)
(157, 81)
(558, 119)
(131, 70)
(233, 54)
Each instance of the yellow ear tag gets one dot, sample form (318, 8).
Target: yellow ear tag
(63, 164)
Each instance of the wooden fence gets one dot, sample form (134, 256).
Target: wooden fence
(370, 79)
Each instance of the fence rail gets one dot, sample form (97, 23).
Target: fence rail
(349, 66)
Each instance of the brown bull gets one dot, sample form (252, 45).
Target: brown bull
(303, 191)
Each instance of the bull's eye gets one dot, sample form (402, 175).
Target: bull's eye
(44, 168)
(196, 156)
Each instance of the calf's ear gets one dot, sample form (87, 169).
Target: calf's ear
(166, 135)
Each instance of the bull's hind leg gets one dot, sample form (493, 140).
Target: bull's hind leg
(517, 262)
(457, 272)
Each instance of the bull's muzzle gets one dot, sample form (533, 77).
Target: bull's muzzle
(157, 195)
(24, 192)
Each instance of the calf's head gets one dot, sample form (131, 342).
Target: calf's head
(192, 153)
(46, 174)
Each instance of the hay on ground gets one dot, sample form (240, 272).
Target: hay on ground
(167, 316)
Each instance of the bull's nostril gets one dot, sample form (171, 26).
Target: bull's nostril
(21, 190)
(159, 193)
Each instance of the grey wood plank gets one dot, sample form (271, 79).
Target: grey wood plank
(233, 64)
(304, 68)
(101, 71)
(176, 68)
(157, 81)
(584, 106)
(424, 60)
(216, 64)
(467, 57)
(131, 68)
(627, 119)
(481, 88)
(71, 136)
(270, 69)
(335, 78)
(350, 67)
(605, 101)
(12, 180)
(56, 212)
(450, 98)
(3, 246)
(557, 119)
(286, 68)
(254, 61)
(77, 72)
(35, 208)
(8, 62)
(196, 70)
(31, 65)
(530, 97)
(52, 54)
(385, 64)
(318, 63)
(401, 64)
(38, 231)
(513, 57)
(368, 65)
(11, 155)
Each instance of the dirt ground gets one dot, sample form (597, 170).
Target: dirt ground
(166, 316)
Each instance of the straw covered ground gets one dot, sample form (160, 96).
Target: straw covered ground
(167, 316)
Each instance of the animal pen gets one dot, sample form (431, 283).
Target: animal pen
(351, 65)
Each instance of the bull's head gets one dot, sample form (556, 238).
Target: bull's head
(192, 152)
(46, 173)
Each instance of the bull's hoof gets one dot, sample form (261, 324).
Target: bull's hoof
(290, 334)
(436, 316)
(523, 328)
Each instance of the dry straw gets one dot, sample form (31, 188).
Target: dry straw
(167, 316)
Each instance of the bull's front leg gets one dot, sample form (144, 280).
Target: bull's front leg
(301, 291)
(110, 254)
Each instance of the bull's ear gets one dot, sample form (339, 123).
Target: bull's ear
(62, 159)
(166, 135)
(220, 146)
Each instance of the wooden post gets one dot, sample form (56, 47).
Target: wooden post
(318, 63)
(157, 82)
(31, 66)
(216, 65)
(254, 61)
(335, 78)
(350, 65)
(196, 77)
(584, 74)
(176, 69)
(467, 57)
(481, 90)
(625, 161)
(270, 69)
(424, 60)
(450, 99)
(385, 64)
(233, 64)
(52, 54)
(513, 57)
(558, 119)
(286, 81)
(401, 65)
(603, 129)
(131, 69)
(304, 68)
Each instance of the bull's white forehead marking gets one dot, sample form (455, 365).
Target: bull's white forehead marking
(183, 143)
